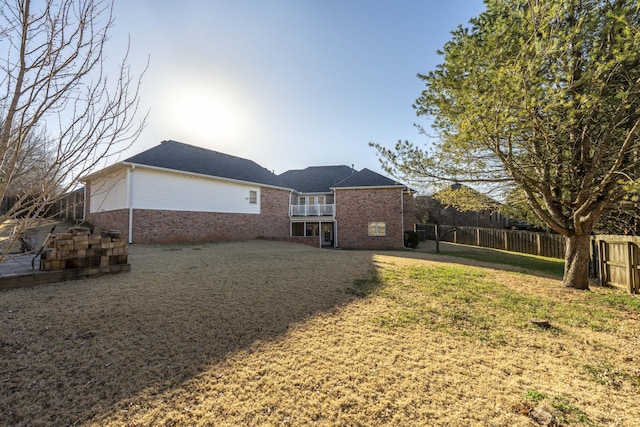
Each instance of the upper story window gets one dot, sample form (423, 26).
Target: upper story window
(311, 200)
(377, 229)
(253, 197)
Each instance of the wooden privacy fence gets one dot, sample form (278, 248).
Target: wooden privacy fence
(543, 244)
(615, 260)
(618, 261)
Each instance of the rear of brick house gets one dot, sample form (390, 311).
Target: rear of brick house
(178, 193)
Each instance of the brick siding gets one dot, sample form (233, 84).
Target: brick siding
(163, 226)
(110, 220)
(356, 208)
(409, 208)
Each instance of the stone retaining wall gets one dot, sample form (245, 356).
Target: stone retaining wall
(79, 249)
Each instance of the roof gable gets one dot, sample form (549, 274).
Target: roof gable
(367, 178)
(316, 179)
(188, 158)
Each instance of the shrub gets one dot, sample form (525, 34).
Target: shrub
(411, 239)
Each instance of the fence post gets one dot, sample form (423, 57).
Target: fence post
(593, 258)
(602, 257)
(629, 267)
(636, 276)
(632, 268)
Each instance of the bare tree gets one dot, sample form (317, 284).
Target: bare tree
(61, 113)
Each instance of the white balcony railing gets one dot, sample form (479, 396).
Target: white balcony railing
(311, 210)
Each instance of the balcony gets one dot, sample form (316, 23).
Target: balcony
(312, 210)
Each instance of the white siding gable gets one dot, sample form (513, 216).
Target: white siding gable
(109, 193)
(161, 190)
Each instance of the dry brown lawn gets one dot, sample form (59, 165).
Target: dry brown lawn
(265, 333)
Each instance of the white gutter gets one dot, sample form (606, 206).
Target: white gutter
(371, 187)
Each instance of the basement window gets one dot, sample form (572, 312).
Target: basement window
(377, 229)
(253, 197)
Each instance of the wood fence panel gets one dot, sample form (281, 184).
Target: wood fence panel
(619, 261)
(616, 263)
(615, 260)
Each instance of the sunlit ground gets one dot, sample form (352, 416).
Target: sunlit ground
(263, 333)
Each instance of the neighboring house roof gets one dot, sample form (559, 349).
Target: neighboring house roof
(316, 179)
(188, 158)
(367, 178)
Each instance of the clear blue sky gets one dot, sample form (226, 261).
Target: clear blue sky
(285, 83)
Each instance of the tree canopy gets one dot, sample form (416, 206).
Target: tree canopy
(541, 96)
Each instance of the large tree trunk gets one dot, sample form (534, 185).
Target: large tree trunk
(576, 262)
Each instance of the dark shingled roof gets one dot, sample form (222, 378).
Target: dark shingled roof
(188, 158)
(316, 179)
(366, 178)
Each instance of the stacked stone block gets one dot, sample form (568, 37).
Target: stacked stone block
(80, 249)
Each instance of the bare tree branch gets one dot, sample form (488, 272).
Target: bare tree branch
(62, 113)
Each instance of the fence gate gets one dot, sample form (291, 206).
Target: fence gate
(620, 264)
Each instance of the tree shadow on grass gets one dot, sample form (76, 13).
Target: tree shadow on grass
(545, 267)
(72, 352)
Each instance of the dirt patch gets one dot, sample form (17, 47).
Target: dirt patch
(265, 333)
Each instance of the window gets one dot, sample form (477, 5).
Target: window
(312, 229)
(377, 229)
(297, 229)
(253, 197)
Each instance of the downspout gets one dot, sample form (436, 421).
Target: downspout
(131, 203)
(402, 218)
(335, 220)
(289, 216)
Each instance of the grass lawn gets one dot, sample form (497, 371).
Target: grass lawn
(523, 262)
(265, 333)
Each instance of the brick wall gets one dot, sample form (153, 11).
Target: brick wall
(356, 208)
(273, 220)
(110, 220)
(409, 208)
(162, 226)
